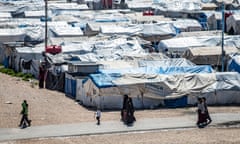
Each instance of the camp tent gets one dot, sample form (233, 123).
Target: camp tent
(153, 90)
(148, 86)
(233, 24)
(208, 55)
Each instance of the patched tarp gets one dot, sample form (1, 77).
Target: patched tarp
(144, 30)
(154, 90)
(234, 64)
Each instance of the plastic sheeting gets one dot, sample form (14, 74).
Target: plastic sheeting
(152, 90)
(180, 62)
(208, 55)
(177, 5)
(108, 75)
(144, 30)
(67, 31)
(11, 35)
(234, 64)
(161, 70)
(110, 18)
(5, 15)
(179, 45)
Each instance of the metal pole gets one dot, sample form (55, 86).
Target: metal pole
(46, 26)
(223, 29)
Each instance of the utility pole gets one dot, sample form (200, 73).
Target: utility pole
(46, 26)
(223, 29)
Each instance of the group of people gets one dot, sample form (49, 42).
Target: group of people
(127, 112)
(203, 114)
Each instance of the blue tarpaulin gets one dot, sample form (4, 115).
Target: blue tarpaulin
(162, 70)
(234, 64)
(104, 80)
(70, 87)
(106, 77)
(193, 69)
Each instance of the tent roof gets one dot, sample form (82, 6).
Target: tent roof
(117, 77)
(201, 51)
(138, 17)
(200, 33)
(68, 6)
(5, 15)
(38, 13)
(173, 62)
(67, 31)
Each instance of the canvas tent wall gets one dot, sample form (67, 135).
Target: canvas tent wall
(208, 55)
(139, 5)
(5, 15)
(150, 32)
(187, 25)
(94, 28)
(173, 62)
(200, 33)
(138, 18)
(27, 59)
(70, 86)
(224, 90)
(7, 53)
(233, 24)
(214, 21)
(107, 88)
(56, 7)
(67, 31)
(151, 90)
(180, 45)
(35, 14)
(11, 35)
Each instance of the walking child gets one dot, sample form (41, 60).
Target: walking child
(98, 116)
(201, 113)
(207, 116)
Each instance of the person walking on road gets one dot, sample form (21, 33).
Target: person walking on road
(201, 113)
(24, 112)
(207, 116)
(98, 116)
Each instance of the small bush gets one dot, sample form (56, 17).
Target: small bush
(25, 79)
(11, 72)
(19, 74)
(27, 76)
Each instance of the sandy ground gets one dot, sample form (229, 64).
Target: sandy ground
(51, 107)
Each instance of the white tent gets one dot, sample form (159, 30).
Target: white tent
(5, 15)
(27, 59)
(233, 24)
(12, 35)
(208, 55)
(67, 31)
(214, 21)
(148, 91)
(180, 45)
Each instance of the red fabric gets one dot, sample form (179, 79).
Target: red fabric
(54, 49)
(148, 13)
